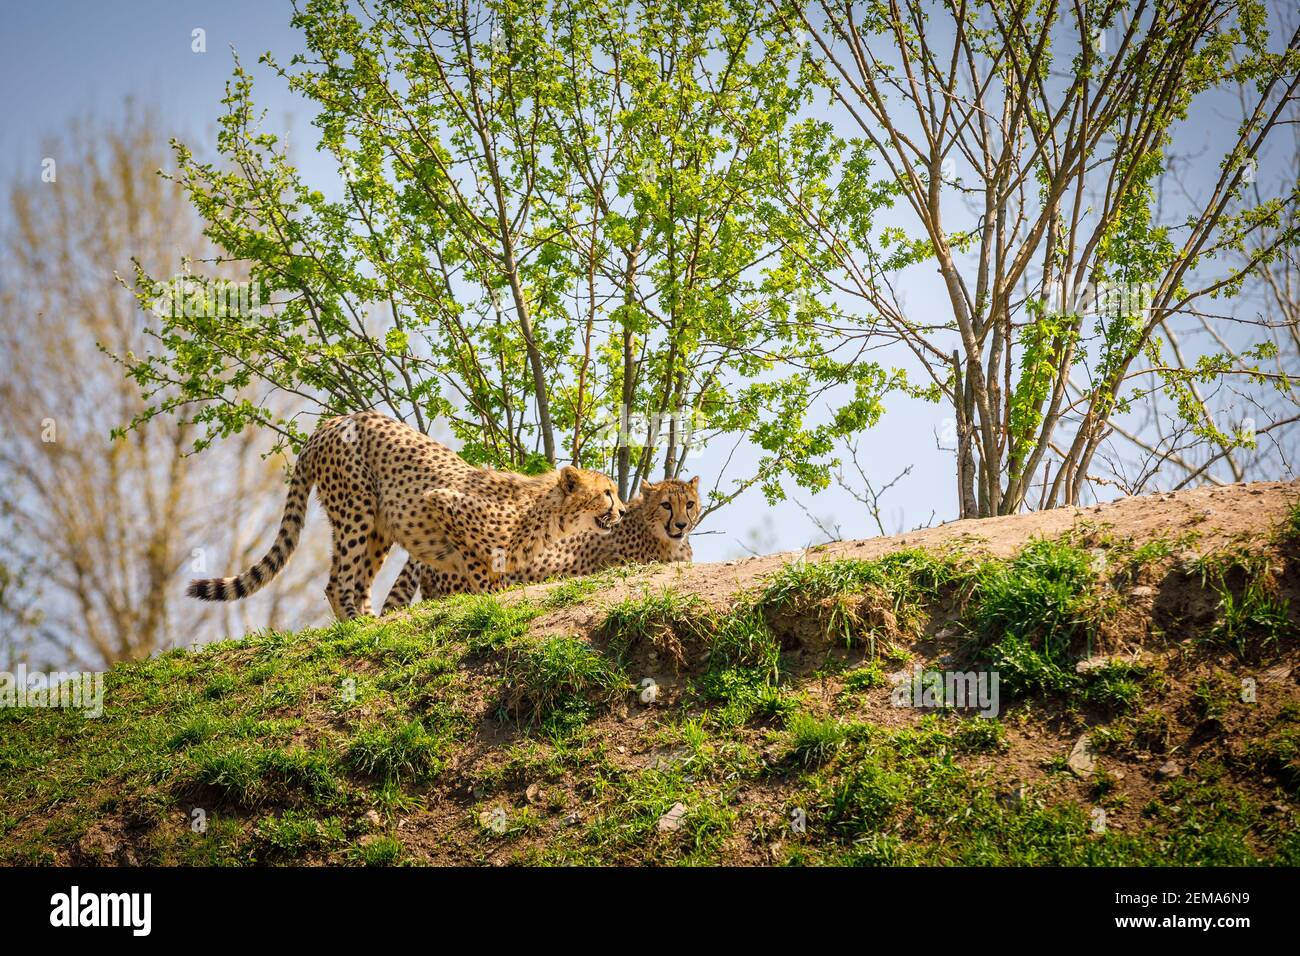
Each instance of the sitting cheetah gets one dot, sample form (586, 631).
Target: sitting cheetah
(654, 530)
(381, 482)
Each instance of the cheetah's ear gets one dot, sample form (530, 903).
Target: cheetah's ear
(569, 478)
(695, 482)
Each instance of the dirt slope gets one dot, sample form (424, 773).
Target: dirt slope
(802, 711)
(1217, 516)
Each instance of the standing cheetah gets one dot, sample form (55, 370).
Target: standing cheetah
(653, 531)
(381, 482)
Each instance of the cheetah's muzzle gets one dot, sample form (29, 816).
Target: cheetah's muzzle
(606, 521)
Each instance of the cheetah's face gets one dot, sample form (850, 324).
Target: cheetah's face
(591, 498)
(674, 507)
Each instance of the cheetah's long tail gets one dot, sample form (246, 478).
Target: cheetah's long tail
(256, 577)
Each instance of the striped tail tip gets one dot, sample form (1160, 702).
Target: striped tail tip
(208, 589)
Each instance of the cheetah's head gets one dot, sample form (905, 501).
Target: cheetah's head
(591, 498)
(672, 507)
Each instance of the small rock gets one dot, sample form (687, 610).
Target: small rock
(671, 821)
(1168, 770)
(372, 817)
(533, 794)
(1091, 664)
(573, 819)
(1083, 758)
(1142, 591)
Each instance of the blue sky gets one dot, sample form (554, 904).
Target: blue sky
(65, 60)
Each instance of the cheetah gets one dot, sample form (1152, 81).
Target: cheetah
(654, 530)
(382, 482)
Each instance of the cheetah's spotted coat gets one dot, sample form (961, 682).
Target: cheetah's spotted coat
(654, 530)
(381, 482)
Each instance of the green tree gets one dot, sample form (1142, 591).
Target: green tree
(555, 220)
(1022, 144)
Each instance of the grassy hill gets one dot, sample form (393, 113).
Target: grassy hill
(1149, 712)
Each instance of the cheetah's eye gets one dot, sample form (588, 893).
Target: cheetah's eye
(667, 506)
(690, 505)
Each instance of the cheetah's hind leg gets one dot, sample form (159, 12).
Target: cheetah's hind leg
(403, 590)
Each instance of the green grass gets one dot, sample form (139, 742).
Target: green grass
(1252, 615)
(665, 621)
(1290, 531)
(559, 683)
(1035, 616)
(381, 851)
(294, 834)
(911, 575)
(410, 752)
(1278, 755)
(570, 591)
(290, 745)
(855, 592)
(1043, 599)
(1214, 696)
(901, 798)
(869, 676)
(484, 622)
(627, 825)
(252, 774)
(1117, 686)
(814, 740)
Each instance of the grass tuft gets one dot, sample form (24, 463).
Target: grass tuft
(396, 755)
(559, 682)
(250, 775)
